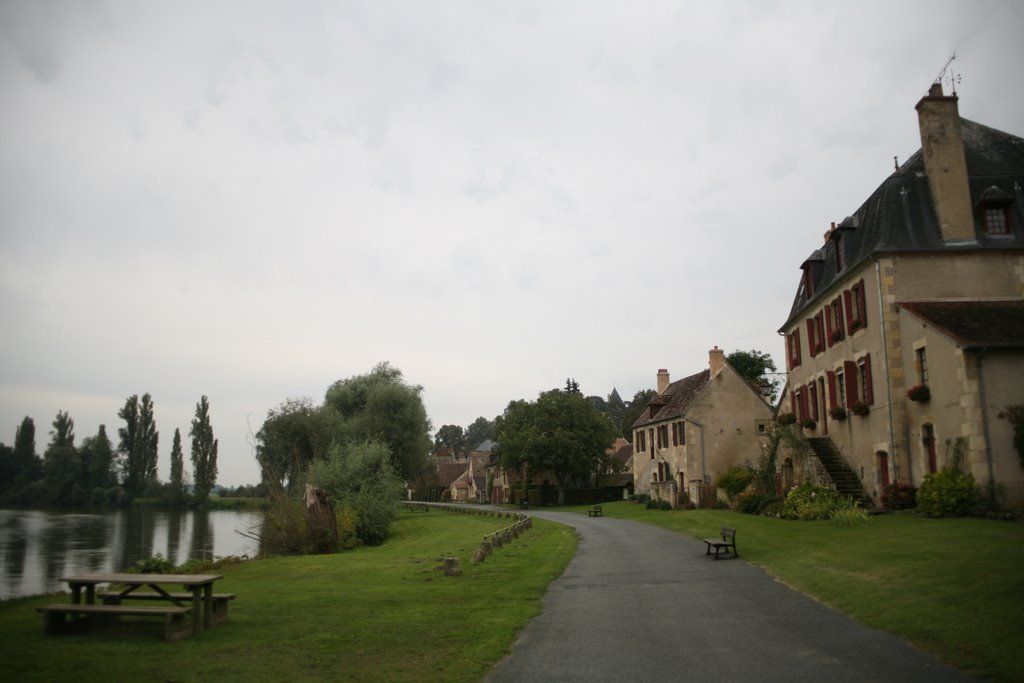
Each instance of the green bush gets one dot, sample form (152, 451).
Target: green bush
(734, 481)
(810, 502)
(899, 496)
(849, 513)
(152, 565)
(749, 503)
(947, 493)
(659, 505)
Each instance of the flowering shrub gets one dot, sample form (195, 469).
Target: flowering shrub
(849, 513)
(919, 392)
(810, 502)
(786, 418)
(899, 496)
(734, 480)
(947, 493)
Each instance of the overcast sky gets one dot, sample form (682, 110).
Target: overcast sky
(251, 200)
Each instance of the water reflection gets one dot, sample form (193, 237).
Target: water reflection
(38, 548)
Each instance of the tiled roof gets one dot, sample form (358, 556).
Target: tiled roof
(899, 217)
(452, 471)
(974, 324)
(621, 451)
(676, 400)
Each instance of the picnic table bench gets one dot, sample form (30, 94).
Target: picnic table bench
(596, 511)
(55, 621)
(418, 506)
(220, 601)
(723, 543)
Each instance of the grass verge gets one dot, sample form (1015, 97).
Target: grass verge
(373, 614)
(954, 587)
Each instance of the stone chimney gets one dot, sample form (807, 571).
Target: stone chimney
(945, 165)
(662, 381)
(716, 361)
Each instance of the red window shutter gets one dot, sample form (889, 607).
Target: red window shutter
(869, 389)
(796, 335)
(862, 307)
(831, 389)
(829, 325)
(838, 308)
(811, 345)
(812, 391)
(682, 433)
(794, 403)
(848, 296)
(850, 372)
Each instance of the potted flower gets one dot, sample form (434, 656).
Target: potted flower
(809, 424)
(786, 418)
(919, 392)
(836, 335)
(860, 408)
(838, 413)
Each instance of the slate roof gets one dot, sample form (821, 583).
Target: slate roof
(899, 216)
(974, 324)
(676, 400)
(486, 446)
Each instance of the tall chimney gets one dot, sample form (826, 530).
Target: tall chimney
(662, 381)
(938, 117)
(716, 361)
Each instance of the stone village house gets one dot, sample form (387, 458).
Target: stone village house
(922, 287)
(695, 429)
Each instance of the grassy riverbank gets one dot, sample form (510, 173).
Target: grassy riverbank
(374, 614)
(954, 587)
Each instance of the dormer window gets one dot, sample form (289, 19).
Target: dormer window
(840, 253)
(808, 282)
(994, 206)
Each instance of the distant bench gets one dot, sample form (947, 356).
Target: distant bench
(723, 544)
(418, 506)
(220, 601)
(55, 622)
(596, 511)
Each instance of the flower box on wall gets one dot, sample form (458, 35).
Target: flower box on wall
(809, 424)
(919, 392)
(837, 413)
(860, 408)
(786, 418)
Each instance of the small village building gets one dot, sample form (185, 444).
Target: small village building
(695, 429)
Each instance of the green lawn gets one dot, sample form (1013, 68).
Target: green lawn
(954, 587)
(374, 614)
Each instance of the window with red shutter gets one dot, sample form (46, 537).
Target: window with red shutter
(867, 386)
(831, 390)
(813, 400)
(850, 373)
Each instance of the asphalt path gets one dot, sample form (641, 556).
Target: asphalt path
(641, 603)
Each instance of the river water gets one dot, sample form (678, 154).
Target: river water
(38, 547)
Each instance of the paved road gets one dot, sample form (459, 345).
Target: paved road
(641, 603)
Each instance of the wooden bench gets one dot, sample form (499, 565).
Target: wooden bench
(524, 504)
(596, 511)
(418, 506)
(220, 601)
(55, 622)
(727, 541)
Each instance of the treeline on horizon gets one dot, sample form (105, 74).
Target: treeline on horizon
(97, 474)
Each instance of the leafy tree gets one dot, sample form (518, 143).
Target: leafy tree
(450, 436)
(204, 452)
(177, 482)
(757, 368)
(29, 465)
(61, 464)
(479, 431)
(97, 456)
(294, 435)
(361, 479)
(138, 444)
(380, 407)
(633, 410)
(8, 468)
(560, 433)
(572, 386)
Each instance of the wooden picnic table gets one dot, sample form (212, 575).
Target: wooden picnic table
(200, 587)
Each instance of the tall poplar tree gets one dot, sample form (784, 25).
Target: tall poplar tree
(28, 464)
(177, 468)
(138, 446)
(204, 452)
(61, 463)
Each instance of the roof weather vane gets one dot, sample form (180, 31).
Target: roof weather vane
(951, 78)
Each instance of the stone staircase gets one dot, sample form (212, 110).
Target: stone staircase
(845, 479)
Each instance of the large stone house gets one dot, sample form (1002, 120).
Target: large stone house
(696, 428)
(922, 285)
